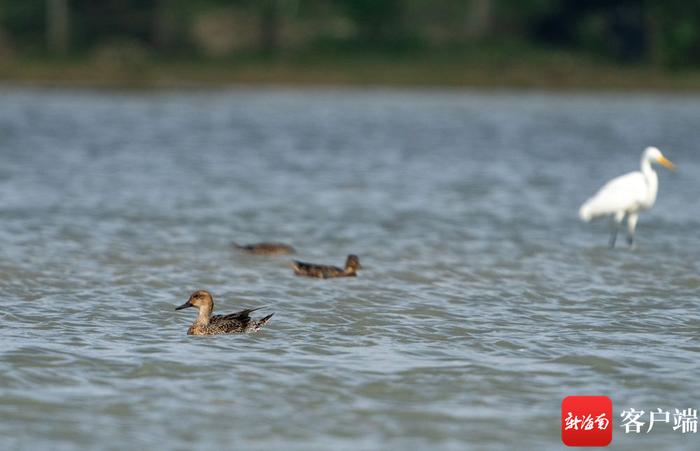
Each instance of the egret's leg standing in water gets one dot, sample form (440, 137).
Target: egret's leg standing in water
(631, 226)
(619, 216)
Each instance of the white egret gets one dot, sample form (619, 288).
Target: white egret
(627, 195)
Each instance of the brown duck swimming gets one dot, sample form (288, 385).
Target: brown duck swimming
(352, 264)
(206, 324)
(266, 248)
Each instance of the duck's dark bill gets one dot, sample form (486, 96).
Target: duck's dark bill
(185, 305)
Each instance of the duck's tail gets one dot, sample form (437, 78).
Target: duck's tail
(262, 321)
(237, 246)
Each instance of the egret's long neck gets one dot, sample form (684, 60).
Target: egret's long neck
(647, 170)
(204, 315)
(651, 179)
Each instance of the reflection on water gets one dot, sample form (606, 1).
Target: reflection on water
(483, 302)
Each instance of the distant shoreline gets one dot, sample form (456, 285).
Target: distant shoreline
(550, 75)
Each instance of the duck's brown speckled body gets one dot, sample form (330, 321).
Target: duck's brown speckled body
(266, 248)
(352, 264)
(206, 324)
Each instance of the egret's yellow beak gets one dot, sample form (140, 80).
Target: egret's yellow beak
(665, 162)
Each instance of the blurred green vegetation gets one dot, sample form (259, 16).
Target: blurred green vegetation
(132, 37)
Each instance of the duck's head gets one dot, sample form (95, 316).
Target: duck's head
(201, 299)
(352, 264)
(654, 155)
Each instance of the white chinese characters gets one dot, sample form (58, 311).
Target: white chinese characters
(686, 420)
(586, 422)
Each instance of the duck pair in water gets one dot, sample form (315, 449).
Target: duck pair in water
(241, 322)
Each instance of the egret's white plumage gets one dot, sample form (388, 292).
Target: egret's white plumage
(627, 195)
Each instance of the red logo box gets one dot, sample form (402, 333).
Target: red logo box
(586, 421)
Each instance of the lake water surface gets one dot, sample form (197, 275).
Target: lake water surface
(484, 300)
